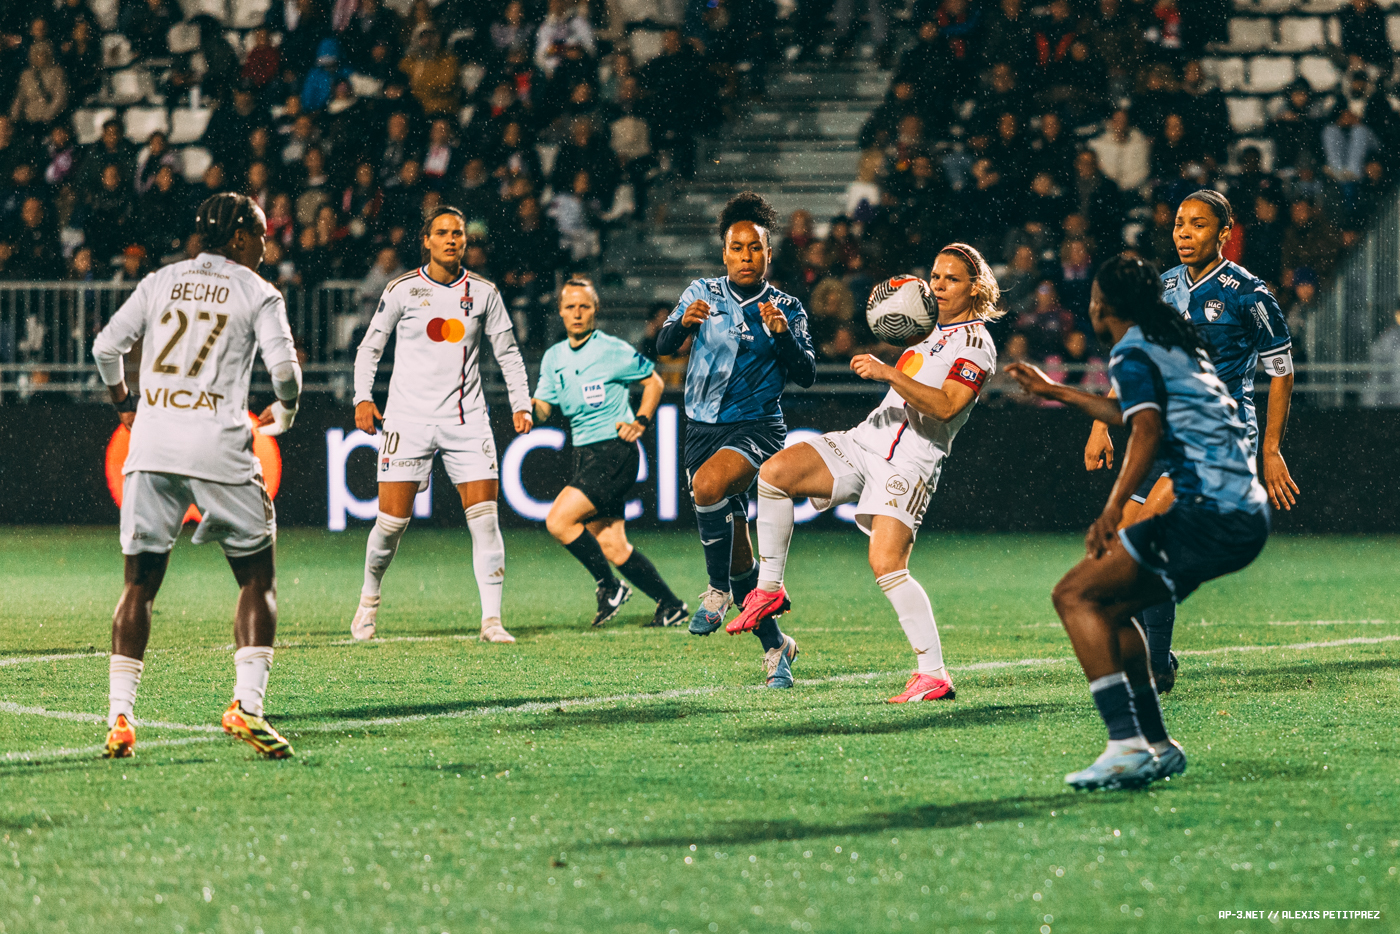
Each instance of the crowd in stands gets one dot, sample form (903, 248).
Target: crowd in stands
(347, 121)
(1050, 135)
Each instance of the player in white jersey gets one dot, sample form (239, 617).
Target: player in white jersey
(438, 314)
(200, 320)
(888, 465)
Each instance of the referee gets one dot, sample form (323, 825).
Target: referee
(589, 377)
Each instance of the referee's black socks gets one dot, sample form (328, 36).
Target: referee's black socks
(639, 570)
(589, 554)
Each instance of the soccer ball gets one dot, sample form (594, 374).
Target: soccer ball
(901, 307)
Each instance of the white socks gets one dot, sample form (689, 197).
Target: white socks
(775, 521)
(124, 674)
(379, 551)
(916, 617)
(252, 663)
(488, 557)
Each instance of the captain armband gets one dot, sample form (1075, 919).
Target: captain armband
(1278, 364)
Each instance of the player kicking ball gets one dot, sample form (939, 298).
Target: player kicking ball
(889, 464)
(438, 314)
(749, 340)
(1179, 409)
(200, 321)
(588, 376)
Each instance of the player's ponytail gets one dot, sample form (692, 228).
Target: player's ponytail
(223, 215)
(1133, 289)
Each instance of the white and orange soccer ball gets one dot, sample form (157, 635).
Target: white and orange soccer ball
(900, 308)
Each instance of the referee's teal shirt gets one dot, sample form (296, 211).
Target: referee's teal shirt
(590, 384)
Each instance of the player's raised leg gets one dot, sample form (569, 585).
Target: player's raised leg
(891, 542)
(254, 630)
(724, 475)
(488, 554)
(395, 511)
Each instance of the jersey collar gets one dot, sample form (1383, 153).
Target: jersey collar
(423, 271)
(1208, 274)
(745, 301)
(954, 327)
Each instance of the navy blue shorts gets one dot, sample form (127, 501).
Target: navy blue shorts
(1157, 471)
(1188, 545)
(755, 440)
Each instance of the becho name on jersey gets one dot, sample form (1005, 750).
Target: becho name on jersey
(199, 292)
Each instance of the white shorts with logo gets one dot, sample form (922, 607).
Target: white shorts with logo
(406, 452)
(239, 516)
(862, 477)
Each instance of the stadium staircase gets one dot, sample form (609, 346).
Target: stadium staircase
(798, 148)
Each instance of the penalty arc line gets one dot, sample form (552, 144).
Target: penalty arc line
(544, 706)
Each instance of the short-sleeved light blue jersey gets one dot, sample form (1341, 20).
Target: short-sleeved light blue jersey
(1204, 442)
(738, 368)
(1240, 321)
(590, 384)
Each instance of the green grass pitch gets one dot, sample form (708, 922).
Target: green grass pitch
(636, 780)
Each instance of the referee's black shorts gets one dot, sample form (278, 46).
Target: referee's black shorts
(604, 472)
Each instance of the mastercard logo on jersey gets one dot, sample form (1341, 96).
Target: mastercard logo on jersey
(910, 363)
(448, 330)
(265, 448)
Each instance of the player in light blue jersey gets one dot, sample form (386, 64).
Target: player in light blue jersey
(1241, 324)
(589, 376)
(749, 340)
(1179, 410)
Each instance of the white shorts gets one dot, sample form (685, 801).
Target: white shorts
(239, 516)
(868, 480)
(406, 452)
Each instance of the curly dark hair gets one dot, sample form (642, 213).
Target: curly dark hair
(747, 206)
(1133, 289)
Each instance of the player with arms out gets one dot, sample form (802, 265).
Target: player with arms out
(1241, 324)
(1177, 409)
(749, 340)
(588, 376)
(438, 314)
(889, 464)
(201, 320)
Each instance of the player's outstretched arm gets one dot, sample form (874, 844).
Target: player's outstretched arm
(1034, 381)
(941, 402)
(1277, 480)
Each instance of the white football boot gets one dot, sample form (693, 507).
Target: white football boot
(362, 626)
(493, 631)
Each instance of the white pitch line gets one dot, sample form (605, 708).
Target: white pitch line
(28, 659)
(8, 707)
(1297, 646)
(42, 754)
(1333, 622)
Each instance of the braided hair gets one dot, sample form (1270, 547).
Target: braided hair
(223, 215)
(1219, 205)
(433, 216)
(1133, 289)
(747, 206)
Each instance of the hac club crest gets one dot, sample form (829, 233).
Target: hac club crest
(1214, 309)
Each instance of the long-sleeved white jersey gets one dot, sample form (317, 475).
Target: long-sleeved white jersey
(437, 377)
(201, 320)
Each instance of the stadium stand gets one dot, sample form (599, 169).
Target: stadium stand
(604, 137)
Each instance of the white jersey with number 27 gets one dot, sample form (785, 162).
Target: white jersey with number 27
(200, 322)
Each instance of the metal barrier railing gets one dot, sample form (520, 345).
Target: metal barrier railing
(47, 329)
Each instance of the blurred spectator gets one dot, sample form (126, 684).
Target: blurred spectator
(1076, 275)
(133, 267)
(882, 125)
(1383, 385)
(111, 148)
(1310, 240)
(316, 89)
(1010, 35)
(675, 87)
(1018, 283)
(1124, 152)
(281, 226)
(62, 156)
(145, 23)
(150, 158)
(1157, 244)
(864, 193)
(1047, 322)
(510, 31)
(1172, 150)
(564, 27)
(787, 256)
(1097, 198)
(1347, 145)
(576, 212)
(921, 78)
(43, 91)
(1263, 249)
(1052, 152)
(80, 54)
(431, 72)
(38, 256)
(531, 258)
(1300, 311)
(1202, 105)
(630, 139)
(263, 61)
(1296, 130)
(164, 215)
(110, 218)
(439, 158)
(1363, 34)
(830, 309)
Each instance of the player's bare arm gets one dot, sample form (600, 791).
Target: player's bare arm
(366, 415)
(542, 410)
(1034, 381)
(652, 388)
(1098, 450)
(943, 403)
(1277, 480)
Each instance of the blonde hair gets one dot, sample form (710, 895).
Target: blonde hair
(581, 282)
(985, 291)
